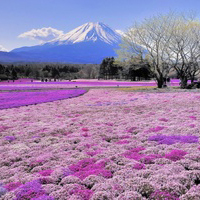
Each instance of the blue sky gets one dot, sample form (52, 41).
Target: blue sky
(20, 16)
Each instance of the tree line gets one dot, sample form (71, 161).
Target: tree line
(48, 71)
(108, 69)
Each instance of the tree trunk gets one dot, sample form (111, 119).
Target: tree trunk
(183, 82)
(160, 83)
(132, 78)
(192, 79)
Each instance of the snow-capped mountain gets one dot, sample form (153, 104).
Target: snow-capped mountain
(89, 43)
(90, 32)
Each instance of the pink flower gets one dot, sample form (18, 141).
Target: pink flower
(85, 134)
(93, 153)
(156, 129)
(192, 125)
(163, 119)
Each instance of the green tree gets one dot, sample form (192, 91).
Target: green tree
(108, 68)
(14, 73)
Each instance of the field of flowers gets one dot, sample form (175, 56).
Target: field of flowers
(105, 144)
(27, 84)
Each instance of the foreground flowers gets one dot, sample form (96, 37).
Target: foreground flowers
(105, 144)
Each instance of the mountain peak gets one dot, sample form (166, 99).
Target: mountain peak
(91, 31)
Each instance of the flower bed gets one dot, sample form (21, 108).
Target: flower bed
(16, 99)
(106, 144)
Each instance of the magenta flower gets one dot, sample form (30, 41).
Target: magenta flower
(175, 155)
(134, 153)
(85, 129)
(46, 172)
(12, 185)
(88, 167)
(163, 119)
(83, 193)
(139, 166)
(193, 117)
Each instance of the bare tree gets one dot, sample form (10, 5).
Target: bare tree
(89, 71)
(150, 39)
(167, 42)
(185, 47)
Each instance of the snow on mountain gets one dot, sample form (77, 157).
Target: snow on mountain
(3, 48)
(90, 32)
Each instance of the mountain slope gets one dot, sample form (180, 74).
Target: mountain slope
(10, 57)
(89, 43)
(90, 32)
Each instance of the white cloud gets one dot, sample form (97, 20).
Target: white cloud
(3, 48)
(120, 32)
(43, 34)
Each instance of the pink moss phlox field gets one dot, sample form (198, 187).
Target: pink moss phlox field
(28, 84)
(142, 145)
(16, 99)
